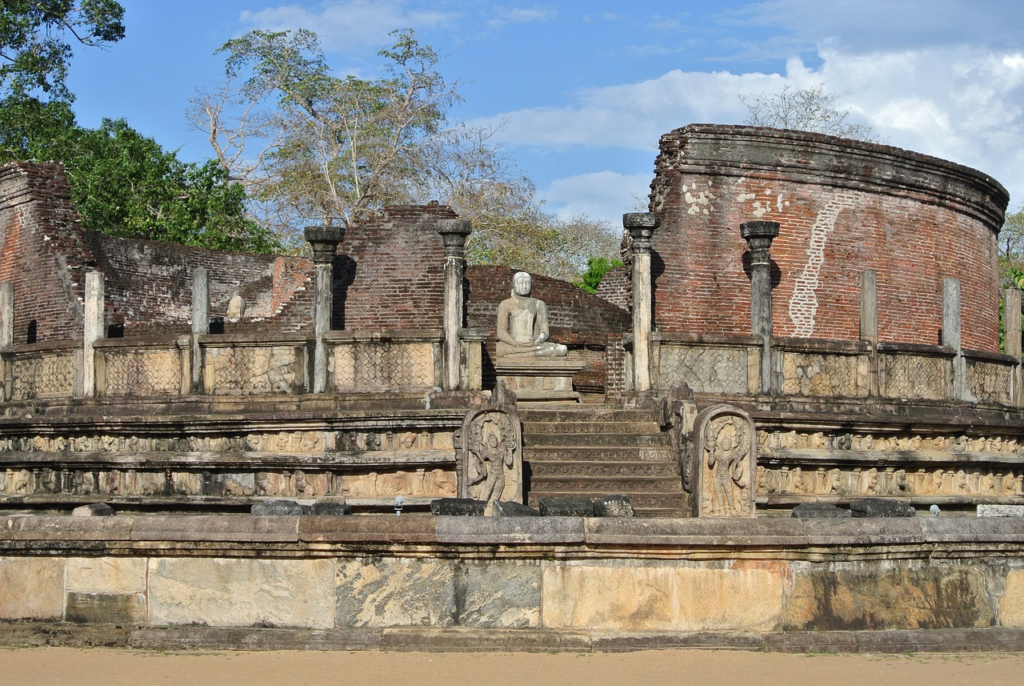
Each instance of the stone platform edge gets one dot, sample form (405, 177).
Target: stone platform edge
(459, 639)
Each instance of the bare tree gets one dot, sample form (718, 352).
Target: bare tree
(805, 109)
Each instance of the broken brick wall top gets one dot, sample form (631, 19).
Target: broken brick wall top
(844, 206)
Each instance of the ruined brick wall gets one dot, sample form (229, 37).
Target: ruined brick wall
(844, 207)
(570, 309)
(389, 273)
(42, 251)
(149, 283)
(615, 287)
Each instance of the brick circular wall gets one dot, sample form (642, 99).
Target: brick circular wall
(844, 206)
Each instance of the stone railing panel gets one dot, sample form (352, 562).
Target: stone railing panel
(831, 369)
(383, 361)
(706, 365)
(923, 372)
(139, 368)
(45, 373)
(989, 377)
(244, 365)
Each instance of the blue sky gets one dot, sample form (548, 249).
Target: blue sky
(583, 90)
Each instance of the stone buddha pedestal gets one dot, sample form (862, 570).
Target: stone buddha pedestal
(531, 366)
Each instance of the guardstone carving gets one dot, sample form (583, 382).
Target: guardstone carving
(726, 460)
(491, 455)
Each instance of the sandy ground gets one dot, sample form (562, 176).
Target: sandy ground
(21, 667)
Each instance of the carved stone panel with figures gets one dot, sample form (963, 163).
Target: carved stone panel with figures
(726, 462)
(491, 458)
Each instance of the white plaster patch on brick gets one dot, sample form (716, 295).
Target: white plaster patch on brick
(764, 206)
(698, 200)
(803, 305)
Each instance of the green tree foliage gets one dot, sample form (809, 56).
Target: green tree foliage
(1011, 249)
(596, 269)
(122, 182)
(313, 147)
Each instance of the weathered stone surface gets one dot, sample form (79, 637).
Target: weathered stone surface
(242, 592)
(272, 508)
(215, 528)
(1011, 605)
(500, 595)
(861, 596)
(866, 530)
(510, 508)
(566, 507)
(695, 532)
(66, 528)
(881, 507)
(458, 507)
(329, 508)
(414, 528)
(110, 575)
(510, 530)
(106, 608)
(819, 511)
(93, 510)
(31, 588)
(1001, 510)
(613, 506)
(640, 596)
(380, 592)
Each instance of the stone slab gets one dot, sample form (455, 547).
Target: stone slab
(106, 608)
(499, 595)
(386, 592)
(110, 575)
(242, 592)
(1001, 510)
(510, 508)
(278, 508)
(865, 531)
(21, 528)
(31, 588)
(1011, 605)
(820, 511)
(640, 596)
(414, 528)
(694, 532)
(509, 530)
(249, 638)
(613, 506)
(961, 529)
(881, 507)
(216, 528)
(566, 507)
(465, 640)
(458, 507)
(893, 596)
(93, 510)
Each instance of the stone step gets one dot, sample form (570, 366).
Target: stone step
(608, 440)
(598, 427)
(598, 454)
(641, 502)
(606, 470)
(605, 485)
(583, 413)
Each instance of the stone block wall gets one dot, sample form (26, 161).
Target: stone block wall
(844, 206)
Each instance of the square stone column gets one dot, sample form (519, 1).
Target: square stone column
(200, 323)
(641, 226)
(1012, 338)
(759, 236)
(454, 233)
(93, 329)
(325, 241)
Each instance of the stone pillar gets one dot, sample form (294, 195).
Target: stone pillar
(759, 236)
(1012, 338)
(200, 322)
(641, 226)
(869, 324)
(454, 233)
(6, 315)
(951, 334)
(325, 240)
(93, 329)
(6, 338)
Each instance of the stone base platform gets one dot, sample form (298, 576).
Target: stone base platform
(543, 379)
(460, 639)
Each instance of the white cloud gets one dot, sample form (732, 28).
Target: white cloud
(521, 16)
(348, 26)
(962, 104)
(602, 195)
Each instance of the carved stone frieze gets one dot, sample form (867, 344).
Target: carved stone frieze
(726, 456)
(794, 440)
(889, 481)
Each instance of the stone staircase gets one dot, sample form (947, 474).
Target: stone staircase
(597, 450)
